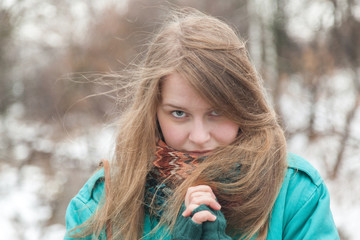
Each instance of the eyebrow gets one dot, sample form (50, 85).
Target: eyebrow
(181, 108)
(173, 106)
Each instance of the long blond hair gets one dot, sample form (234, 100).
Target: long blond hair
(208, 53)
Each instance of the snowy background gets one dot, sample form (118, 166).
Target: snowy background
(52, 134)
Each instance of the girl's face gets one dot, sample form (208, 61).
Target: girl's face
(190, 124)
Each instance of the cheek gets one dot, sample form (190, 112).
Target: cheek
(226, 132)
(174, 135)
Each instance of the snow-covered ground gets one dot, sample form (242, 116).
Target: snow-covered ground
(31, 192)
(322, 151)
(34, 193)
(28, 190)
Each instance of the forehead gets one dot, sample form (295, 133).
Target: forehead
(177, 91)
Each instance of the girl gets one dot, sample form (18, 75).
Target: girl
(199, 153)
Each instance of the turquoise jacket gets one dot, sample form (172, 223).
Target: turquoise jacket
(301, 211)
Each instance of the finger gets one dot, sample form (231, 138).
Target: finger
(211, 202)
(198, 195)
(203, 216)
(198, 188)
(199, 201)
(201, 188)
(201, 193)
(188, 211)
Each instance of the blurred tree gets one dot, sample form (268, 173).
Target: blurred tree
(280, 56)
(344, 39)
(6, 36)
(61, 63)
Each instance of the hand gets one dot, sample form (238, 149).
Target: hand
(196, 196)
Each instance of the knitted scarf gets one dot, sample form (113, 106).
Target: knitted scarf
(170, 168)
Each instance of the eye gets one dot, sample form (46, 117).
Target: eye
(178, 114)
(215, 113)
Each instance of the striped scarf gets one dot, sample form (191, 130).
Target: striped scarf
(170, 168)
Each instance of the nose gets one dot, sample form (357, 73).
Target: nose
(199, 133)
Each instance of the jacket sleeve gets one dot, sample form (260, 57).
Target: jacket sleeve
(76, 214)
(186, 229)
(84, 204)
(215, 230)
(311, 217)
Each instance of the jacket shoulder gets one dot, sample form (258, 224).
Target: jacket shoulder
(93, 188)
(302, 183)
(299, 164)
